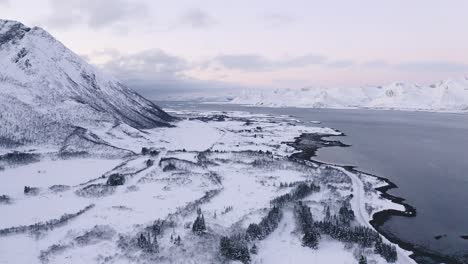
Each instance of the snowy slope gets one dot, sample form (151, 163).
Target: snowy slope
(450, 95)
(45, 88)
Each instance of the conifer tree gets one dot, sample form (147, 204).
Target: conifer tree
(199, 224)
(254, 249)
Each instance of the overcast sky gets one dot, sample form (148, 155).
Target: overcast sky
(264, 43)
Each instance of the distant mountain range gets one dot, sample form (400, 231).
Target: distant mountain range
(47, 91)
(450, 95)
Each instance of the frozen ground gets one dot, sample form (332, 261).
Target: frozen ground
(227, 167)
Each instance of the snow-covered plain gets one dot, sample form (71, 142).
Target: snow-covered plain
(230, 165)
(447, 96)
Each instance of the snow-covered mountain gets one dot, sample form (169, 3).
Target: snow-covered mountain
(46, 91)
(450, 95)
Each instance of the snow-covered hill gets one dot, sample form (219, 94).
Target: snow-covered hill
(450, 95)
(46, 91)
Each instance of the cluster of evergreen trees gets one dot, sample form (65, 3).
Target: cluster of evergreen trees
(227, 209)
(361, 235)
(235, 248)
(31, 190)
(346, 214)
(306, 223)
(176, 240)
(285, 184)
(338, 227)
(267, 225)
(116, 179)
(388, 252)
(148, 242)
(44, 226)
(169, 167)
(147, 151)
(5, 199)
(199, 226)
(292, 184)
(149, 163)
(148, 239)
(301, 191)
(19, 157)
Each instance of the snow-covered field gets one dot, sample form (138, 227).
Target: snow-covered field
(449, 96)
(227, 167)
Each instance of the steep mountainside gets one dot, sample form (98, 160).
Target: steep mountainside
(450, 95)
(46, 91)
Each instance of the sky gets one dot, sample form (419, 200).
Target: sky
(188, 44)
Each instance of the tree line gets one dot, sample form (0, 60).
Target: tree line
(236, 247)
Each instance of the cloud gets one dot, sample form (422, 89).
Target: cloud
(432, 66)
(197, 18)
(4, 2)
(152, 64)
(278, 20)
(282, 82)
(376, 64)
(96, 14)
(158, 75)
(252, 62)
(419, 66)
(340, 64)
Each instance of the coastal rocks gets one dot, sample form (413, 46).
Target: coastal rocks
(309, 143)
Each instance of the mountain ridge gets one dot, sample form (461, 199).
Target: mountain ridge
(449, 95)
(46, 89)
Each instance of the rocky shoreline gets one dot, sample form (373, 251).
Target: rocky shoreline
(308, 145)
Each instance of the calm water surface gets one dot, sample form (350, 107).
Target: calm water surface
(424, 154)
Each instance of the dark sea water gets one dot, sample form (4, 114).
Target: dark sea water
(424, 154)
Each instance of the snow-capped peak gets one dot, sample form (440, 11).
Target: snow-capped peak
(44, 84)
(449, 95)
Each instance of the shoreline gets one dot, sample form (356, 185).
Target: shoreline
(460, 112)
(378, 219)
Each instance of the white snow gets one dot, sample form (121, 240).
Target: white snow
(449, 95)
(284, 247)
(241, 178)
(53, 172)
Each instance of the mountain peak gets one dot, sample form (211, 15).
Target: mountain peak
(43, 83)
(11, 31)
(5, 23)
